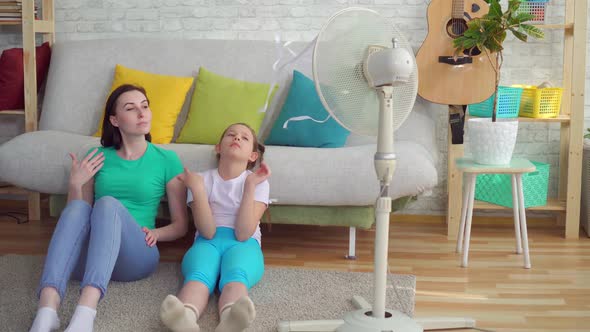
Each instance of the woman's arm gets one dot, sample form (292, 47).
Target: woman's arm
(81, 182)
(86, 192)
(249, 213)
(178, 226)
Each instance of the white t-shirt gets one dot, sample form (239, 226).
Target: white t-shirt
(225, 197)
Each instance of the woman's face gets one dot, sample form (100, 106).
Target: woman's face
(237, 141)
(132, 114)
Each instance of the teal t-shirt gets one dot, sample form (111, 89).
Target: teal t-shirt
(138, 184)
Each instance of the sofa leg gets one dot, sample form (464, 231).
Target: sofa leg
(351, 243)
(34, 206)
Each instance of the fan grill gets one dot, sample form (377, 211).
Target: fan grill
(338, 75)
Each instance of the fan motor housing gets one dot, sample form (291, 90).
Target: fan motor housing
(387, 66)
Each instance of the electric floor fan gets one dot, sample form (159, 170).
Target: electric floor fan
(366, 77)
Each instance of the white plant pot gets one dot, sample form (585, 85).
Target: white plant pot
(492, 143)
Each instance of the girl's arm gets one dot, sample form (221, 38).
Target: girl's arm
(202, 215)
(178, 226)
(249, 214)
(251, 210)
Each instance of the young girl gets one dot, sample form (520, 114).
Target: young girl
(227, 204)
(107, 230)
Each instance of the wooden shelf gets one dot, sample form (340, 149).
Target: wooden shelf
(30, 25)
(22, 112)
(566, 26)
(559, 118)
(552, 205)
(571, 130)
(41, 26)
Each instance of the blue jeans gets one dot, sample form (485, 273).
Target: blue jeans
(222, 260)
(97, 244)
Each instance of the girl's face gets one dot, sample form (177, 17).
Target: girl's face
(237, 143)
(132, 114)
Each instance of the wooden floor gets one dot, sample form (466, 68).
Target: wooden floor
(495, 290)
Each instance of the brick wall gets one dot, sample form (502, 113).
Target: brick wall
(529, 63)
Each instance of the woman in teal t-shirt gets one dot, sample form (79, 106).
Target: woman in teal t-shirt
(107, 230)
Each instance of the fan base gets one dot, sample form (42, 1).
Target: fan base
(362, 321)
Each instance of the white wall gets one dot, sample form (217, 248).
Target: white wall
(529, 63)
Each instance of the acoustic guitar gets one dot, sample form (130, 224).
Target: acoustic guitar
(444, 79)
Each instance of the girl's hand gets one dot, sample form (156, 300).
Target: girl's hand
(261, 174)
(151, 236)
(190, 179)
(83, 171)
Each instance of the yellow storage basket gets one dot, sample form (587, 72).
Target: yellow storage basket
(539, 102)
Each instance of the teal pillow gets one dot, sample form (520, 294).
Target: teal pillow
(303, 100)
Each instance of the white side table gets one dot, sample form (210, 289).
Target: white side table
(516, 168)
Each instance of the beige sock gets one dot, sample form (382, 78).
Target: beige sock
(179, 317)
(236, 317)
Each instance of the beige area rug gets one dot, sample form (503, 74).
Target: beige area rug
(283, 294)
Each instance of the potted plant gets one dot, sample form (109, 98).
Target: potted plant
(492, 142)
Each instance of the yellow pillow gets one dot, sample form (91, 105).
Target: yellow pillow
(165, 93)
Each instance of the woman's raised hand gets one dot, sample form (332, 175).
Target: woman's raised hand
(261, 174)
(82, 171)
(190, 179)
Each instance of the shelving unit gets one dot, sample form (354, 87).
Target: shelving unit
(29, 28)
(571, 119)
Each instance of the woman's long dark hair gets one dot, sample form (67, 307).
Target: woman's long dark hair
(111, 135)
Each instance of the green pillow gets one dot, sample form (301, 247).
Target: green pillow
(220, 101)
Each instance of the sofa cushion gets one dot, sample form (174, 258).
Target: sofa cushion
(218, 102)
(12, 79)
(304, 121)
(300, 176)
(166, 95)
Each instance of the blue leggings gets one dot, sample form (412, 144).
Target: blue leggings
(224, 258)
(97, 244)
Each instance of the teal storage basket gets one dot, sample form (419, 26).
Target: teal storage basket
(508, 104)
(497, 188)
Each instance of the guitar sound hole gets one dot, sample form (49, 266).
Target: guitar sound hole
(456, 27)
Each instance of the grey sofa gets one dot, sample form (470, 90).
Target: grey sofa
(309, 185)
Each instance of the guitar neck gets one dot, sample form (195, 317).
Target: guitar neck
(458, 8)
